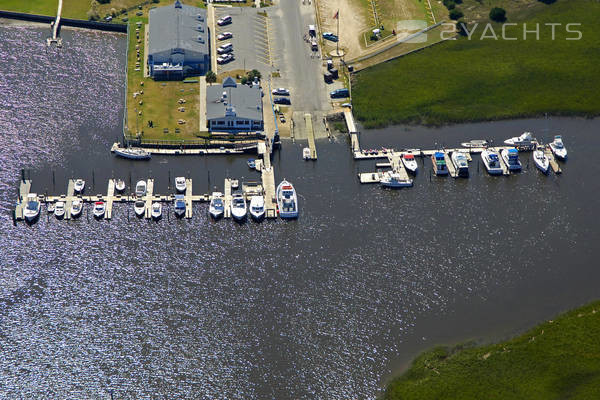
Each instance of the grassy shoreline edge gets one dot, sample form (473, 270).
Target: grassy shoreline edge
(559, 358)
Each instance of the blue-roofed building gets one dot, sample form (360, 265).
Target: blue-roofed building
(178, 44)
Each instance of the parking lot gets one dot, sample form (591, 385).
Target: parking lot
(251, 39)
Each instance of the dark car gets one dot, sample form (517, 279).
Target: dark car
(330, 36)
(339, 93)
(282, 100)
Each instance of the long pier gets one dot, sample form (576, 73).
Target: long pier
(56, 27)
(249, 148)
(310, 134)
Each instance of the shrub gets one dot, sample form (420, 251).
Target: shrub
(211, 77)
(254, 74)
(103, 1)
(244, 80)
(451, 5)
(93, 15)
(456, 14)
(547, 1)
(462, 27)
(498, 14)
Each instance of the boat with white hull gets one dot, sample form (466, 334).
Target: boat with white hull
(120, 185)
(257, 207)
(475, 143)
(216, 209)
(180, 185)
(391, 179)
(525, 140)
(287, 200)
(79, 185)
(179, 206)
(156, 211)
(558, 148)
(31, 212)
(99, 209)
(139, 207)
(541, 161)
(59, 210)
(76, 208)
(238, 207)
(460, 162)
(491, 160)
(511, 158)
(140, 188)
(132, 154)
(439, 163)
(410, 163)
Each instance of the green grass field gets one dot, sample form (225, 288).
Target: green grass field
(472, 80)
(71, 8)
(558, 359)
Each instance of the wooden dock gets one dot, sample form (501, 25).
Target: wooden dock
(188, 198)
(24, 189)
(110, 196)
(69, 198)
(553, 163)
(195, 151)
(369, 177)
(398, 166)
(450, 165)
(227, 198)
(310, 134)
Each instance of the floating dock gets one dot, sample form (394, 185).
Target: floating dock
(250, 148)
(310, 134)
(553, 163)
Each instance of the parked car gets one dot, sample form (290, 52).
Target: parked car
(225, 48)
(339, 93)
(226, 20)
(225, 35)
(330, 36)
(281, 92)
(282, 100)
(225, 58)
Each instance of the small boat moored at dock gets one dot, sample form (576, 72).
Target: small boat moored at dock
(180, 184)
(306, 153)
(132, 154)
(59, 210)
(525, 140)
(541, 161)
(216, 209)
(492, 162)
(511, 158)
(179, 205)
(460, 162)
(99, 209)
(32, 209)
(50, 208)
(410, 163)
(558, 148)
(76, 208)
(140, 208)
(120, 185)
(140, 188)
(394, 180)
(439, 163)
(156, 211)
(79, 185)
(257, 207)
(238, 207)
(287, 200)
(475, 143)
(251, 163)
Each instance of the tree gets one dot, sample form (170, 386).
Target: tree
(93, 15)
(456, 14)
(461, 27)
(498, 14)
(254, 74)
(547, 1)
(211, 77)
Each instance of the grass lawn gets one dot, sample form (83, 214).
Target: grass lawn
(71, 8)
(558, 359)
(470, 80)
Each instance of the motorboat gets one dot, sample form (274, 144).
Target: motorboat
(558, 148)
(179, 205)
(32, 208)
(251, 163)
(439, 163)
(410, 163)
(50, 208)
(257, 207)
(394, 180)
(234, 183)
(180, 184)
(216, 209)
(475, 143)
(306, 153)
(76, 208)
(525, 140)
(541, 160)
(238, 207)
(287, 200)
(140, 188)
(120, 185)
(140, 208)
(460, 162)
(59, 210)
(511, 158)
(132, 154)
(156, 211)
(99, 209)
(79, 185)
(492, 162)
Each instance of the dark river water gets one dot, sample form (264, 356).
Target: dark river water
(328, 306)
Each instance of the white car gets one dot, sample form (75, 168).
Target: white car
(225, 58)
(281, 92)
(225, 35)
(224, 20)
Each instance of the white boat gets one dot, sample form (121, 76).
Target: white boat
(251, 163)
(179, 205)
(460, 162)
(140, 208)
(306, 153)
(79, 186)
(235, 183)
(59, 209)
(492, 162)
(120, 185)
(439, 163)
(32, 209)
(541, 161)
(238, 207)
(393, 179)
(76, 208)
(180, 185)
(140, 188)
(257, 207)
(99, 209)
(475, 143)
(287, 201)
(216, 209)
(132, 154)
(558, 148)
(410, 163)
(511, 158)
(524, 140)
(156, 211)
(50, 208)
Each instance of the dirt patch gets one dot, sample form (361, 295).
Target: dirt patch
(352, 22)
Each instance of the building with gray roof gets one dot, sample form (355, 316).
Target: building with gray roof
(233, 107)
(178, 44)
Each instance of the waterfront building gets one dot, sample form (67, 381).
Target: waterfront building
(178, 43)
(233, 107)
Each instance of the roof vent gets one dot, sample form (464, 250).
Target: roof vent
(200, 39)
(200, 17)
(200, 28)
